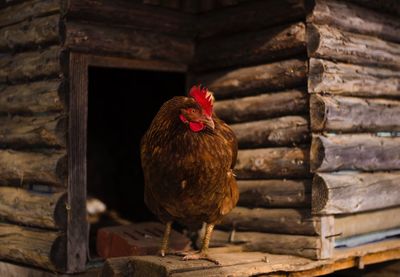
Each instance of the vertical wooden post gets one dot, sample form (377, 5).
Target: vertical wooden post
(77, 228)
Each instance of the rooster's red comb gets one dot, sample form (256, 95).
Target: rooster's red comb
(203, 97)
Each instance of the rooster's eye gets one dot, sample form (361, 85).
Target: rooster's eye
(192, 110)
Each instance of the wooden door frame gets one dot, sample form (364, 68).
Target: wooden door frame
(77, 226)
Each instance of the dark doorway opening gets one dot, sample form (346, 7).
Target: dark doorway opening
(122, 104)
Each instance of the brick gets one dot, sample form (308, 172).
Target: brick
(136, 240)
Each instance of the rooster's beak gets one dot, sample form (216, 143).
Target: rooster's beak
(209, 122)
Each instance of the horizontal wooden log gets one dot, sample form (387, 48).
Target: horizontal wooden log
(132, 14)
(331, 43)
(353, 18)
(364, 152)
(38, 131)
(34, 247)
(282, 221)
(40, 31)
(251, 80)
(17, 168)
(280, 162)
(282, 131)
(36, 209)
(128, 42)
(352, 80)
(26, 10)
(367, 222)
(250, 47)
(351, 192)
(350, 114)
(30, 65)
(30, 98)
(262, 106)
(252, 15)
(275, 193)
(304, 246)
(387, 6)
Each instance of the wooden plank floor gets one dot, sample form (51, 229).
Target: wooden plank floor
(253, 263)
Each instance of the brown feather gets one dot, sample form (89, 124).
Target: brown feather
(188, 175)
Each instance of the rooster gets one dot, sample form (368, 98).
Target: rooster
(187, 156)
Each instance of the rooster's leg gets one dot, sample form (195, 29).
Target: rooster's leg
(165, 240)
(203, 255)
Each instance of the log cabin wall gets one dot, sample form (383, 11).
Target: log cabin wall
(33, 132)
(354, 78)
(254, 59)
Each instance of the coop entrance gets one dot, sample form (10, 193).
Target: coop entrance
(121, 105)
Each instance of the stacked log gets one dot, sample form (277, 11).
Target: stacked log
(259, 79)
(354, 109)
(33, 136)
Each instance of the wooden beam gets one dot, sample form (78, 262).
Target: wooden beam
(262, 106)
(30, 98)
(282, 221)
(35, 131)
(38, 32)
(388, 6)
(367, 222)
(331, 43)
(282, 131)
(255, 79)
(276, 193)
(280, 162)
(304, 246)
(353, 18)
(94, 38)
(253, 15)
(30, 246)
(133, 15)
(350, 114)
(364, 152)
(30, 65)
(251, 47)
(353, 80)
(352, 192)
(36, 209)
(27, 9)
(77, 227)
(17, 168)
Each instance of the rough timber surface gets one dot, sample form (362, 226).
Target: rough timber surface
(255, 263)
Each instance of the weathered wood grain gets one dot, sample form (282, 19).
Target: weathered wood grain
(249, 16)
(282, 131)
(251, 80)
(35, 131)
(352, 80)
(30, 65)
(304, 246)
(353, 18)
(38, 32)
(387, 6)
(351, 192)
(332, 43)
(36, 209)
(30, 246)
(262, 106)
(282, 221)
(280, 162)
(27, 9)
(34, 97)
(94, 38)
(132, 14)
(275, 193)
(18, 168)
(363, 152)
(250, 47)
(350, 114)
(367, 222)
